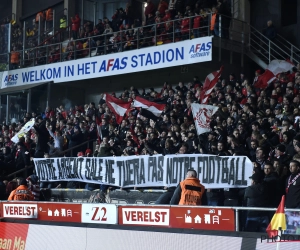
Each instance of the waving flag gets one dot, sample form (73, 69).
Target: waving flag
(152, 107)
(117, 106)
(202, 116)
(274, 68)
(278, 220)
(209, 84)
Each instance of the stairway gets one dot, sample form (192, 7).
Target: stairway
(246, 39)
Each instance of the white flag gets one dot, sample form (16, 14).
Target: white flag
(23, 131)
(202, 116)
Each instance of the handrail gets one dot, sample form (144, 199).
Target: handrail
(251, 40)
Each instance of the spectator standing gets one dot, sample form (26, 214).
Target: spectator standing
(162, 7)
(270, 31)
(21, 193)
(75, 139)
(256, 196)
(150, 9)
(196, 25)
(272, 183)
(14, 58)
(49, 18)
(75, 26)
(42, 138)
(34, 187)
(189, 191)
(293, 186)
(62, 27)
(22, 156)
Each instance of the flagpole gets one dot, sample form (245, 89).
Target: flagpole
(278, 242)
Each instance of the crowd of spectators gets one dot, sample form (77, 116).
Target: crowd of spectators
(262, 124)
(174, 20)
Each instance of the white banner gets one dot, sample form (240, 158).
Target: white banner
(148, 171)
(202, 115)
(23, 131)
(156, 57)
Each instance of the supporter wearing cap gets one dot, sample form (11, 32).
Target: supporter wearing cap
(33, 186)
(256, 195)
(211, 143)
(280, 155)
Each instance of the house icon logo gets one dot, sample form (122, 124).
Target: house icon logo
(197, 219)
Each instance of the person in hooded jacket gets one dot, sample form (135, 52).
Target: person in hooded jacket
(22, 156)
(256, 195)
(272, 183)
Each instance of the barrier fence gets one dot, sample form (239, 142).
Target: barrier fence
(184, 217)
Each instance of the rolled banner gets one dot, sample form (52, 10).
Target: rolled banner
(23, 131)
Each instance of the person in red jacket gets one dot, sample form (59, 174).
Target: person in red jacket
(196, 25)
(162, 7)
(150, 9)
(75, 26)
(185, 25)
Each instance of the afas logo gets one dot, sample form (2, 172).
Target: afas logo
(200, 49)
(11, 80)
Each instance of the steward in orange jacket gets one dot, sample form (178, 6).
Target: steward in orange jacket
(21, 193)
(189, 191)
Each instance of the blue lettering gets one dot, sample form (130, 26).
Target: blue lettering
(70, 70)
(163, 56)
(157, 57)
(103, 66)
(16, 77)
(180, 53)
(192, 49)
(124, 62)
(133, 59)
(170, 59)
(43, 74)
(142, 57)
(36, 76)
(80, 69)
(202, 47)
(149, 59)
(94, 66)
(208, 46)
(31, 76)
(49, 73)
(25, 76)
(116, 64)
(87, 68)
(56, 74)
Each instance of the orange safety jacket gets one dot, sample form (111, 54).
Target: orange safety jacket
(191, 192)
(15, 57)
(49, 15)
(12, 195)
(213, 21)
(38, 15)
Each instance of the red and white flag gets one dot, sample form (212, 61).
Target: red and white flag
(152, 107)
(209, 84)
(117, 106)
(202, 116)
(274, 68)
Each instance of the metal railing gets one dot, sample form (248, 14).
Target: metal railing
(233, 32)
